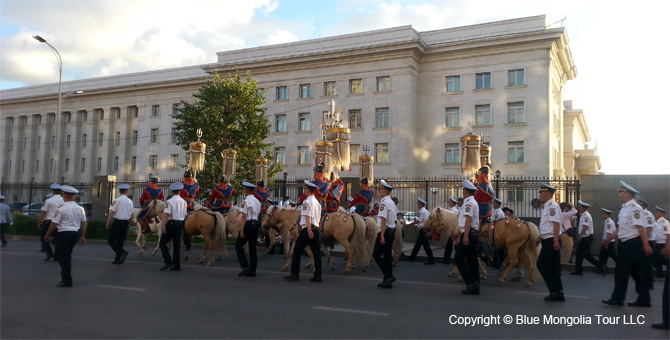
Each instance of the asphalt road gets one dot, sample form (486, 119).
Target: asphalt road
(136, 300)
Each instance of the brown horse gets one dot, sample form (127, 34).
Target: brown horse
(272, 232)
(517, 237)
(212, 226)
(349, 231)
(287, 218)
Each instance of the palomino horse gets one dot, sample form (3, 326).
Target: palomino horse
(517, 237)
(287, 218)
(272, 232)
(483, 237)
(349, 231)
(212, 226)
(156, 208)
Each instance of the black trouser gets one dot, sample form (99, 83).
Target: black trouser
(630, 262)
(2, 233)
(251, 230)
(422, 240)
(383, 252)
(609, 252)
(117, 237)
(46, 246)
(303, 241)
(65, 242)
(584, 253)
(466, 258)
(659, 260)
(447, 250)
(666, 298)
(173, 230)
(648, 267)
(549, 265)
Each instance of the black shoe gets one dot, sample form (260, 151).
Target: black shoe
(315, 279)
(390, 279)
(42, 250)
(472, 289)
(175, 269)
(577, 273)
(48, 258)
(244, 271)
(116, 262)
(292, 278)
(429, 263)
(603, 270)
(385, 285)
(250, 274)
(54, 259)
(662, 325)
(557, 296)
(167, 266)
(64, 284)
(123, 257)
(639, 303)
(613, 302)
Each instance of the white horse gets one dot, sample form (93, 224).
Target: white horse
(141, 239)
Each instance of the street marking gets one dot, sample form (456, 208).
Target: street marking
(123, 288)
(572, 296)
(355, 311)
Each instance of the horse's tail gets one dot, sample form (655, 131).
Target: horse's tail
(532, 251)
(359, 242)
(220, 234)
(370, 234)
(397, 242)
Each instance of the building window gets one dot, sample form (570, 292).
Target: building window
(135, 110)
(515, 152)
(282, 92)
(515, 195)
(176, 109)
(37, 165)
(100, 138)
(118, 112)
(453, 83)
(153, 161)
(173, 135)
(452, 153)
(68, 117)
(85, 116)
(154, 135)
(483, 80)
(98, 166)
(516, 77)
(133, 163)
(305, 90)
(135, 135)
(382, 117)
(515, 113)
(101, 114)
(356, 86)
(116, 164)
(303, 155)
(304, 122)
(39, 142)
(174, 160)
(383, 83)
(53, 142)
(117, 138)
(482, 115)
(155, 110)
(280, 123)
(280, 155)
(354, 153)
(67, 164)
(355, 119)
(84, 137)
(83, 165)
(382, 152)
(330, 88)
(453, 115)
(51, 165)
(67, 141)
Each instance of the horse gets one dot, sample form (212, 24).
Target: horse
(483, 237)
(156, 207)
(517, 237)
(212, 226)
(287, 217)
(272, 232)
(397, 244)
(350, 231)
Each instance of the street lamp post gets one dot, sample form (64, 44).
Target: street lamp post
(497, 183)
(60, 99)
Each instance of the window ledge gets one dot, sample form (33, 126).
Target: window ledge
(305, 98)
(356, 129)
(382, 92)
(516, 124)
(452, 92)
(516, 86)
(454, 128)
(280, 133)
(354, 94)
(302, 165)
(483, 90)
(451, 165)
(306, 132)
(381, 128)
(280, 101)
(515, 164)
(482, 126)
(329, 96)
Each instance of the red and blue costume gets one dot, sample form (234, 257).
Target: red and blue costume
(191, 188)
(333, 196)
(150, 193)
(363, 199)
(261, 194)
(484, 195)
(322, 188)
(219, 200)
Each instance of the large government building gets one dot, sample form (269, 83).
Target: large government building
(408, 97)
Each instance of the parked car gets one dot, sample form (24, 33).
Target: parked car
(16, 206)
(410, 217)
(34, 209)
(87, 208)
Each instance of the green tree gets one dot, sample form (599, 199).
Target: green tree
(226, 107)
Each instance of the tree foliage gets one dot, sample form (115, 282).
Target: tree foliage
(226, 107)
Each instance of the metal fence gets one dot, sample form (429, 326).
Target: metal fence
(35, 192)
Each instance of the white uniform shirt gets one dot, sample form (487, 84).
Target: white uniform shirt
(469, 208)
(498, 214)
(123, 208)
(5, 214)
(69, 217)
(251, 206)
(176, 207)
(454, 209)
(286, 204)
(388, 210)
(586, 221)
(550, 213)
(609, 228)
(649, 222)
(51, 205)
(423, 217)
(312, 208)
(352, 210)
(630, 216)
(662, 230)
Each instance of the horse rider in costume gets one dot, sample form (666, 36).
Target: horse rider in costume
(188, 192)
(261, 195)
(363, 198)
(334, 194)
(219, 200)
(150, 193)
(484, 194)
(322, 187)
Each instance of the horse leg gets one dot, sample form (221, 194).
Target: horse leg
(140, 242)
(158, 244)
(482, 269)
(512, 255)
(524, 261)
(351, 257)
(289, 257)
(271, 236)
(309, 264)
(329, 255)
(285, 238)
(454, 272)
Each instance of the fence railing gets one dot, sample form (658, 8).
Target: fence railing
(23, 192)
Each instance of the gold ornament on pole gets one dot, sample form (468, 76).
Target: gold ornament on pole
(366, 165)
(229, 162)
(324, 152)
(340, 137)
(262, 170)
(197, 155)
(470, 155)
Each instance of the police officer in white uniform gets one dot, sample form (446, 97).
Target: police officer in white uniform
(661, 229)
(453, 205)
(664, 226)
(121, 211)
(608, 247)
(649, 226)
(250, 209)
(421, 239)
(549, 261)
(70, 221)
(48, 211)
(632, 248)
(466, 240)
(498, 214)
(584, 240)
(310, 215)
(5, 219)
(386, 223)
(172, 225)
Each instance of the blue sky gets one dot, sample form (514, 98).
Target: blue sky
(618, 48)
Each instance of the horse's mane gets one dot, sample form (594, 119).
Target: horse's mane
(446, 220)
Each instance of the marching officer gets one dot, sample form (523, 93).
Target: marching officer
(5, 219)
(172, 225)
(549, 260)
(661, 230)
(584, 240)
(608, 247)
(310, 214)
(386, 223)
(121, 211)
(649, 226)
(48, 212)
(453, 205)
(188, 192)
(70, 221)
(219, 200)
(363, 198)
(665, 252)
(498, 214)
(421, 239)
(466, 250)
(250, 209)
(633, 247)
(150, 193)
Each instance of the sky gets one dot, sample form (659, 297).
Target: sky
(619, 48)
